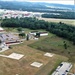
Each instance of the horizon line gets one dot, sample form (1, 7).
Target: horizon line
(53, 2)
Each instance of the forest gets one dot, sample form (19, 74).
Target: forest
(60, 29)
(62, 15)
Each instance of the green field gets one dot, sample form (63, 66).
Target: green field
(51, 43)
(67, 21)
(55, 45)
(22, 66)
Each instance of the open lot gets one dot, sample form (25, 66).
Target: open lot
(67, 21)
(22, 67)
(36, 54)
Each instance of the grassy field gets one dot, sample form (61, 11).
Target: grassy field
(50, 43)
(67, 21)
(26, 30)
(22, 66)
(55, 45)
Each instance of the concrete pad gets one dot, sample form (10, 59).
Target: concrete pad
(49, 54)
(36, 64)
(15, 56)
(3, 56)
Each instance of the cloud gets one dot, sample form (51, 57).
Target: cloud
(71, 2)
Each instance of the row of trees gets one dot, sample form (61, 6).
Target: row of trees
(60, 29)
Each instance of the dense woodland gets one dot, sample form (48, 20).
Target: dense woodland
(62, 15)
(60, 29)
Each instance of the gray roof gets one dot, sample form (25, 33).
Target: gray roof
(9, 36)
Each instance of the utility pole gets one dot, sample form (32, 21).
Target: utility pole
(73, 69)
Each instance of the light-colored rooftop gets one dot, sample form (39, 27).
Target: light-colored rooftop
(63, 69)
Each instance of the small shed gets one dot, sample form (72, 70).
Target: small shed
(3, 47)
(1, 29)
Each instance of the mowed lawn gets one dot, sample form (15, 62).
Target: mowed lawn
(67, 21)
(22, 66)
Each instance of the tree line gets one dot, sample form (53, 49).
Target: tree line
(60, 29)
(62, 15)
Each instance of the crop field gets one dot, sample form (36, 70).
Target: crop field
(22, 67)
(67, 21)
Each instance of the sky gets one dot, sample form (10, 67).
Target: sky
(67, 2)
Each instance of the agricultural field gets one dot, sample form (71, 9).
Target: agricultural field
(22, 67)
(67, 21)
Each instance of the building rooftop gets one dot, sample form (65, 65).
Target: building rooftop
(1, 28)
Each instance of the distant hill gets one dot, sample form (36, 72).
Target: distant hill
(60, 5)
(27, 5)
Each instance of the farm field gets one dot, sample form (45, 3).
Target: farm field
(67, 21)
(22, 67)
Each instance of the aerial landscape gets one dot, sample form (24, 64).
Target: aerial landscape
(37, 37)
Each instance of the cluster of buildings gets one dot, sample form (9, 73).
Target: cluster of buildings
(7, 39)
(17, 14)
(34, 35)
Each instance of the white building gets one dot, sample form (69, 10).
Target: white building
(33, 32)
(43, 33)
(1, 30)
(3, 47)
(14, 14)
(63, 69)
